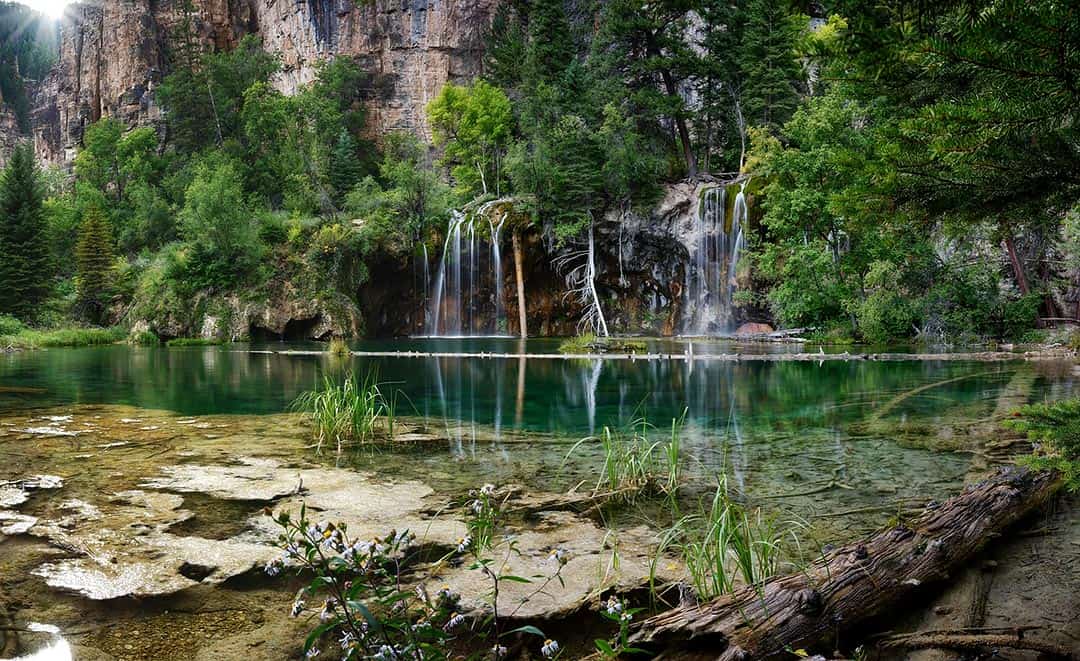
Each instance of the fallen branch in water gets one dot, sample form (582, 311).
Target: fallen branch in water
(852, 584)
(965, 641)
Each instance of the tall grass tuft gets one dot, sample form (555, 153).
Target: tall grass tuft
(339, 348)
(582, 344)
(344, 413)
(29, 338)
(634, 463)
(724, 546)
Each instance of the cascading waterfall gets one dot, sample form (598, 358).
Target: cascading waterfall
(718, 244)
(467, 299)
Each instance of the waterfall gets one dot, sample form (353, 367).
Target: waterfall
(717, 244)
(467, 298)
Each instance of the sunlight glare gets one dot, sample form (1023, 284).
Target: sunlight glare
(51, 8)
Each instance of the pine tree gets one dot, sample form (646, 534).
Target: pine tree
(345, 166)
(93, 260)
(25, 265)
(551, 44)
(768, 64)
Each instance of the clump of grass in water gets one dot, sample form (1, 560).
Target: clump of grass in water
(345, 413)
(339, 348)
(193, 342)
(578, 345)
(724, 546)
(635, 464)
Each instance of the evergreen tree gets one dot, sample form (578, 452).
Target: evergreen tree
(25, 266)
(768, 64)
(504, 48)
(94, 263)
(551, 44)
(643, 44)
(345, 167)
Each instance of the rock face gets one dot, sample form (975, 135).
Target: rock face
(114, 53)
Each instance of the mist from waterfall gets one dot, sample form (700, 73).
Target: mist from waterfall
(718, 241)
(467, 297)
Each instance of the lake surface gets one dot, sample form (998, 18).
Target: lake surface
(771, 425)
(832, 449)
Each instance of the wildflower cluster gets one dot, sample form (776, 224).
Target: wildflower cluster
(357, 597)
(484, 512)
(619, 612)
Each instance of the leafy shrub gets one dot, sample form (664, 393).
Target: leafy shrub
(144, 338)
(1020, 315)
(10, 325)
(1055, 429)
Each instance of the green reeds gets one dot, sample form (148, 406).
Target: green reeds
(724, 546)
(634, 463)
(346, 412)
(578, 345)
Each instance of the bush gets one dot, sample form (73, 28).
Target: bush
(10, 325)
(1020, 315)
(1055, 429)
(143, 338)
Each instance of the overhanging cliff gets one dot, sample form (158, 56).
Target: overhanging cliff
(114, 53)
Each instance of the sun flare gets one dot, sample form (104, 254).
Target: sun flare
(51, 8)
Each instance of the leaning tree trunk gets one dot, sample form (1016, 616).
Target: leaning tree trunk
(519, 274)
(850, 585)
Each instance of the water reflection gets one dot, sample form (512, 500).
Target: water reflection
(725, 401)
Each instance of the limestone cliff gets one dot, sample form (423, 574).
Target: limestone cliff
(113, 53)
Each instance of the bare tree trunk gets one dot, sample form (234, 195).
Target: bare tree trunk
(852, 584)
(519, 273)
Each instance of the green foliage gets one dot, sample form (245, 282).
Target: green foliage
(10, 325)
(767, 62)
(343, 413)
(94, 265)
(636, 464)
(411, 200)
(26, 267)
(28, 46)
(578, 345)
(62, 337)
(1055, 428)
(725, 546)
(363, 607)
(345, 167)
(204, 95)
(221, 231)
(192, 342)
(144, 338)
(473, 124)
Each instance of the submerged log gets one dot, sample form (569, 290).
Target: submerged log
(852, 584)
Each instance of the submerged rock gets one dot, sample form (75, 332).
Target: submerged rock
(367, 507)
(596, 560)
(17, 492)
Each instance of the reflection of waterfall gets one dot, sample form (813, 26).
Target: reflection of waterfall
(467, 297)
(718, 243)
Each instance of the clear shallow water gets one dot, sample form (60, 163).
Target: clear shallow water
(774, 427)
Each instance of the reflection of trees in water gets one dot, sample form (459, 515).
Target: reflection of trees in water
(727, 402)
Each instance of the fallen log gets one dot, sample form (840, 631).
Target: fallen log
(850, 585)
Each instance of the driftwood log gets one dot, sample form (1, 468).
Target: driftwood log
(850, 585)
